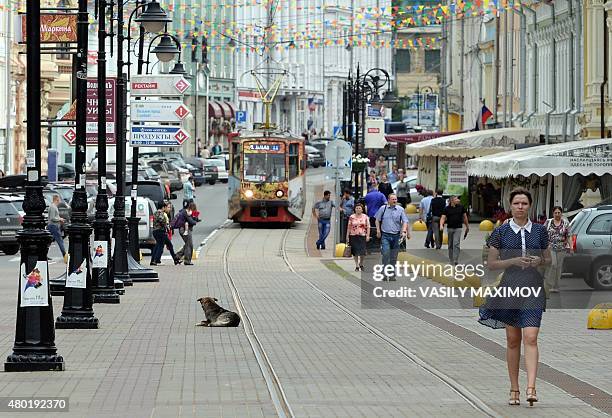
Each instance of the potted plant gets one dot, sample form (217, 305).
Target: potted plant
(359, 163)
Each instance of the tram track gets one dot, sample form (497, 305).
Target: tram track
(273, 383)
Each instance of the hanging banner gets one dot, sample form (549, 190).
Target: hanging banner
(92, 111)
(78, 278)
(34, 285)
(54, 28)
(100, 254)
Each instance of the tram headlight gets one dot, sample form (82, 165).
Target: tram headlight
(279, 193)
(248, 193)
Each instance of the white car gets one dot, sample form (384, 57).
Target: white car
(145, 210)
(221, 170)
(415, 197)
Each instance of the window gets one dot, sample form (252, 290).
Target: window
(432, 61)
(260, 167)
(601, 225)
(293, 160)
(402, 61)
(236, 159)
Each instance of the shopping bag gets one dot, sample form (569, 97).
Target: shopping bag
(347, 251)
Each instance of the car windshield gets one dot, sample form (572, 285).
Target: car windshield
(18, 204)
(576, 221)
(261, 167)
(65, 193)
(7, 209)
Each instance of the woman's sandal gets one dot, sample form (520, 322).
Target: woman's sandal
(531, 396)
(514, 397)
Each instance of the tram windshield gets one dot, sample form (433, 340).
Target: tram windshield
(264, 167)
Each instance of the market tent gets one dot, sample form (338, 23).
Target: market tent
(475, 144)
(593, 156)
(535, 168)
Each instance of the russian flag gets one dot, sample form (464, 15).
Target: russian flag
(485, 114)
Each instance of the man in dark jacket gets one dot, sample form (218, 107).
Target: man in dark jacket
(185, 223)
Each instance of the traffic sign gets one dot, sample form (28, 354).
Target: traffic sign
(241, 116)
(158, 110)
(159, 85)
(157, 136)
(337, 131)
(70, 136)
(338, 154)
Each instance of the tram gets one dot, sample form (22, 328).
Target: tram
(267, 179)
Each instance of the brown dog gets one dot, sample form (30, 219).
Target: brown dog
(216, 316)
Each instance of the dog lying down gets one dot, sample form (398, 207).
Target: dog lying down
(216, 316)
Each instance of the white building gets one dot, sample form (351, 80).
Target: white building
(312, 44)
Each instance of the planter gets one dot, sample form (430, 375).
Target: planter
(359, 167)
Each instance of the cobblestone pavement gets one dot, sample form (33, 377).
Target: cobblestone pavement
(330, 355)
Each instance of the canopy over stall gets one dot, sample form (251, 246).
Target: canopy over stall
(571, 167)
(475, 144)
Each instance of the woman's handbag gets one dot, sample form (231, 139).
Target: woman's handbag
(347, 251)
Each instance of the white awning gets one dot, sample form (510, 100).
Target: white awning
(593, 156)
(475, 144)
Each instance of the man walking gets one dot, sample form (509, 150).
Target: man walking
(391, 223)
(185, 223)
(426, 217)
(374, 200)
(55, 223)
(454, 215)
(322, 212)
(217, 148)
(347, 207)
(437, 207)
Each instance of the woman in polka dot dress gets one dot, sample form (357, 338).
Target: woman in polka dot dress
(518, 248)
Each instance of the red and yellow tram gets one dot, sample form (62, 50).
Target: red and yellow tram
(267, 179)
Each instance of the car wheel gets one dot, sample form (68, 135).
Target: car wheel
(315, 166)
(602, 275)
(211, 182)
(224, 181)
(10, 249)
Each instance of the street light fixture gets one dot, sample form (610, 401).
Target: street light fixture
(178, 68)
(153, 18)
(166, 49)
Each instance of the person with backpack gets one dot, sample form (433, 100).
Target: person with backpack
(184, 221)
(160, 233)
(426, 216)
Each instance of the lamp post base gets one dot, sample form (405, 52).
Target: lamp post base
(138, 273)
(34, 362)
(76, 322)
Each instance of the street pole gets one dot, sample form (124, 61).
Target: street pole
(78, 300)
(418, 105)
(103, 285)
(34, 348)
(195, 114)
(120, 262)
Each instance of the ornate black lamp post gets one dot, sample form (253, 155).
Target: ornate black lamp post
(421, 91)
(34, 348)
(358, 92)
(104, 287)
(152, 19)
(78, 299)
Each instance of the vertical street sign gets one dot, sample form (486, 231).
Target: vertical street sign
(92, 111)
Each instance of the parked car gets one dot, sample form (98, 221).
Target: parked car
(145, 209)
(17, 200)
(10, 224)
(224, 156)
(65, 190)
(209, 170)
(591, 247)
(152, 190)
(196, 172)
(166, 174)
(154, 155)
(315, 158)
(415, 197)
(65, 172)
(222, 173)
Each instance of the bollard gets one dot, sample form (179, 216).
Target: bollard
(600, 317)
(486, 225)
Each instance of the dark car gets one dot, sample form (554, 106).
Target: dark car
(209, 170)
(65, 172)
(166, 174)
(173, 155)
(196, 172)
(151, 189)
(316, 158)
(10, 224)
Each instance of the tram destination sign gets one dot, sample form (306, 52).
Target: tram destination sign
(159, 85)
(157, 136)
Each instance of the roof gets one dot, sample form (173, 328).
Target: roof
(593, 156)
(475, 143)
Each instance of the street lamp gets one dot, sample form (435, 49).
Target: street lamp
(152, 19)
(34, 348)
(362, 90)
(166, 49)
